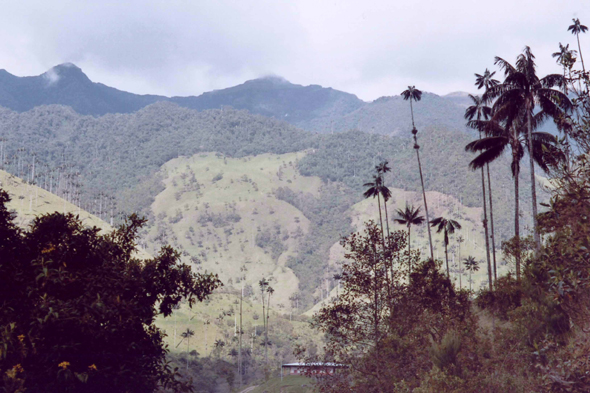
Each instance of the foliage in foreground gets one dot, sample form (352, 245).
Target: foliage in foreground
(77, 310)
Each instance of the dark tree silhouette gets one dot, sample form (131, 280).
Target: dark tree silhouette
(479, 111)
(412, 94)
(448, 227)
(408, 217)
(375, 190)
(471, 265)
(522, 89)
(501, 137)
(576, 28)
(382, 169)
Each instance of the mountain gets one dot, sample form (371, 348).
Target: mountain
(66, 84)
(312, 108)
(307, 107)
(271, 96)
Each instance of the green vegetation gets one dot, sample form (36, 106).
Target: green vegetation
(77, 309)
(422, 335)
(287, 384)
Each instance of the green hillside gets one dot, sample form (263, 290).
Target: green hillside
(29, 201)
(222, 215)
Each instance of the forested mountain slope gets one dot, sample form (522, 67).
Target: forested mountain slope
(313, 107)
(113, 164)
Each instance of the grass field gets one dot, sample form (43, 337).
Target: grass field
(214, 208)
(29, 201)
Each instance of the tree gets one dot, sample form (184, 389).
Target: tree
(187, 334)
(460, 240)
(382, 169)
(448, 227)
(479, 112)
(414, 94)
(566, 58)
(382, 329)
(263, 284)
(269, 291)
(576, 28)
(521, 90)
(408, 217)
(471, 265)
(375, 190)
(486, 80)
(513, 135)
(77, 301)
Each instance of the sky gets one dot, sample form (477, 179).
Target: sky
(370, 48)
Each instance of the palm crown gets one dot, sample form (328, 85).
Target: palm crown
(409, 216)
(445, 225)
(411, 93)
(471, 264)
(486, 80)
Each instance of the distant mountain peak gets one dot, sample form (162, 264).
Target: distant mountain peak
(274, 78)
(64, 70)
(457, 94)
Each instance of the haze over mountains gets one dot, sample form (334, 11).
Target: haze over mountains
(313, 108)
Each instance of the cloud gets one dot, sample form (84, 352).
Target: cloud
(370, 48)
(51, 77)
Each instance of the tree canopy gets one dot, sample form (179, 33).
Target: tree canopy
(77, 309)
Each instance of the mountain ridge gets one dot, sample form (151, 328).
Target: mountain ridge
(312, 108)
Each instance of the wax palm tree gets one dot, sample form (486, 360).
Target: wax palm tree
(576, 29)
(408, 217)
(382, 169)
(511, 135)
(478, 112)
(187, 335)
(448, 227)
(471, 265)
(460, 240)
(263, 284)
(375, 190)
(270, 291)
(414, 94)
(486, 80)
(566, 58)
(523, 89)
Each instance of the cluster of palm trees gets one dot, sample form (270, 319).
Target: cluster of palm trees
(508, 115)
(519, 106)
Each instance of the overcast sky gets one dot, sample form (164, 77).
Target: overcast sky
(370, 48)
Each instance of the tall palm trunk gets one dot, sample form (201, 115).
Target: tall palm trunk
(424, 197)
(516, 218)
(381, 221)
(485, 226)
(386, 216)
(579, 51)
(409, 250)
(447, 260)
(460, 267)
(264, 325)
(492, 221)
(240, 371)
(266, 330)
(533, 182)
